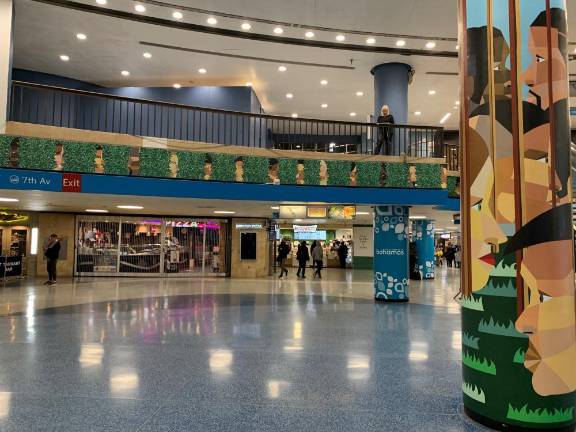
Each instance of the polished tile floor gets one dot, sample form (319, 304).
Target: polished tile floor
(230, 355)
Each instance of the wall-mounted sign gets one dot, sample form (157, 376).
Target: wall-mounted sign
(316, 212)
(292, 212)
(456, 219)
(249, 226)
(304, 228)
(342, 212)
(71, 182)
(317, 235)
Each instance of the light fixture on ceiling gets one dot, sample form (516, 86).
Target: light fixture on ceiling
(140, 8)
(430, 45)
(81, 36)
(371, 41)
(96, 211)
(340, 38)
(416, 217)
(224, 212)
(282, 68)
(212, 21)
(202, 71)
(177, 85)
(362, 213)
(177, 15)
(417, 113)
(289, 95)
(147, 55)
(352, 114)
(359, 93)
(275, 208)
(457, 47)
(130, 207)
(101, 2)
(245, 26)
(431, 92)
(400, 43)
(324, 105)
(456, 107)
(298, 146)
(294, 115)
(324, 82)
(309, 34)
(446, 117)
(457, 103)
(248, 84)
(278, 30)
(9, 199)
(64, 57)
(125, 73)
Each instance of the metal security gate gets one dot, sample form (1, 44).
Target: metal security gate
(149, 246)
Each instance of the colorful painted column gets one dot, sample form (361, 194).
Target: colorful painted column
(423, 236)
(518, 308)
(391, 256)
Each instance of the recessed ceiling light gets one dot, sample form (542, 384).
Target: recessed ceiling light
(456, 107)
(64, 57)
(324, 82)
(457, 47)
(309, 34)
(282, 68)
(278, 30)
(101, 2)
(324, 105)
(140, 8)
(431, 92)
(294, 115)
(298, 146)
(417, 113)
(177, 15)
(446, 117)
(245, 26)
(224, 212)
(202, 71)
(416, 217)
(96, 211)
(248, 84)
(457, 103)
(359, 93)
(371, 41)
(130, 207)
(212, 21)
(147, 55)
(340, 38)
(176, 85)
(400, 43)
(81, 36)
(275, 208)
(362, 213)
(125, 73)
(289, 95)
(430, 45)
(352, 114)
(9, 200)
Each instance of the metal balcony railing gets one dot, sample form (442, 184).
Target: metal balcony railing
(62, 107)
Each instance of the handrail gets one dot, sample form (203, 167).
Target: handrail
(198, 108)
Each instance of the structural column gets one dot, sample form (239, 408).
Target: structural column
(6, 23)
(391, 88)
(391, 276)
(518, 307)
(423, 236)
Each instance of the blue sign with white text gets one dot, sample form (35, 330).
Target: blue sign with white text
(30, 180)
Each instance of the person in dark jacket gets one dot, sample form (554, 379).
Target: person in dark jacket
(385, 131)
(303, 256)
(52, 253)
(343, 254)
(283, 251)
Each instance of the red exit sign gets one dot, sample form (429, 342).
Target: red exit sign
(71, 183)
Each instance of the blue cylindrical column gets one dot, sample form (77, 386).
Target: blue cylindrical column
(391, 256)
(391, 88)
(423, 236)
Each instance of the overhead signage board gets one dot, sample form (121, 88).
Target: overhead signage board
(316, 212)
(249, 226)
(292, 212)
(342, 212)
(304, 228)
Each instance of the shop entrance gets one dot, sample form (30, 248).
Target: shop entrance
(149, 246)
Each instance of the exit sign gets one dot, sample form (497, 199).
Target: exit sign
(71, 182)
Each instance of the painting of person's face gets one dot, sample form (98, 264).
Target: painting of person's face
(536, 75)
(239, 170)
(208, 170)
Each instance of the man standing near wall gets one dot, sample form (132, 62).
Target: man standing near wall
(52, 253)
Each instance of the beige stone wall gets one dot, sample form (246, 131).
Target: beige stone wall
(63, 225)
(250, 268)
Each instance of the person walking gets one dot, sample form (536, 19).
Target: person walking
(458, 256)
(283, 251)
(343, 254)
(303, 256)
(52, 253)
(318, 259)
(385, 131)
(449, 254)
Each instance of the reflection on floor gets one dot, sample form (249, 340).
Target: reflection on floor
(230, 355)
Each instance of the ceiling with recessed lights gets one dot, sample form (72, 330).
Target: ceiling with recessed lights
(302, 58)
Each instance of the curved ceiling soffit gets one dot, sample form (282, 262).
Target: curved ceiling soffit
(99, 10)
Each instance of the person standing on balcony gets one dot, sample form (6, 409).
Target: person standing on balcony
(385, 131)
